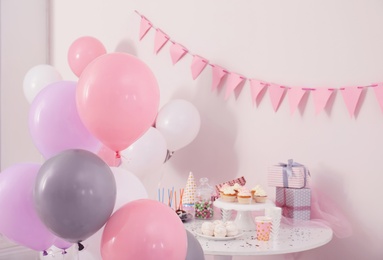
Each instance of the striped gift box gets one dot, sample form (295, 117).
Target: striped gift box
(299, 177)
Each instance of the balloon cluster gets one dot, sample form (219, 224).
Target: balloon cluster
(82, 128)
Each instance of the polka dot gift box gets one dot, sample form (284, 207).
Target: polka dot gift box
(295, 203)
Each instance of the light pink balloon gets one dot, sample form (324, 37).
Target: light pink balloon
(117, 99)
(144, 229)
(54, 123)
(82, 51)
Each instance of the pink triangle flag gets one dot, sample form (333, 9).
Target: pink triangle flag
(233, 81)
(256, 87)
(198, 64)
(276, 95)
(321, 97)
(218, 74)
(144, 27)
(351, 97)
(159, 41)
(379, 94)
(295, 97)
(177, 51)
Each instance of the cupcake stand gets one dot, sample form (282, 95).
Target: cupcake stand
(244, 219)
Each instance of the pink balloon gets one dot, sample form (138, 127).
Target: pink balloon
(54, 122)
(82, 51)
(19, 221)
(117, 99)
(144, 229)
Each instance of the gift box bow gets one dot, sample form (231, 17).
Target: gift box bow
(288, 171)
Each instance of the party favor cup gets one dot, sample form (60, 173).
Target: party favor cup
(263, 227)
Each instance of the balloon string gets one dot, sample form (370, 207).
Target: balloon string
(80, 246)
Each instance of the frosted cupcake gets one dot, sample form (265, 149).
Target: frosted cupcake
(237, 187)
(244, 196)
(228, 194)
(260, 195)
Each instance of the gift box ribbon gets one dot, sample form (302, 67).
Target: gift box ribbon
(286, 209)
(288, 171)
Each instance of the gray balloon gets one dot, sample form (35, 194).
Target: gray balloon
(74, 195)
(194, 251)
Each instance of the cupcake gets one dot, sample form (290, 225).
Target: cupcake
(207, 228)
(228, 194)
(244, 196)
(237, 187)
(260, 195)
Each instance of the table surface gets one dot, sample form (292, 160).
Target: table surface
(291, 239)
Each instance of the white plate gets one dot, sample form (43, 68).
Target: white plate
(199, 233)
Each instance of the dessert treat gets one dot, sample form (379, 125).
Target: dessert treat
(220, 231)
(237, 187)
(244, 196)
(229, 194)
(218, 222)
(231, 230)
(207, 228)
(260, 195)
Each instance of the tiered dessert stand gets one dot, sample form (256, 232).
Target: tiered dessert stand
(244, 219)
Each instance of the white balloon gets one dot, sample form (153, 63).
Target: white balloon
(147, 154)
(37, 78)
(179, 122)
(129, 188)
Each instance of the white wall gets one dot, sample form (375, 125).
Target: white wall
(294, 43)
(23, 45)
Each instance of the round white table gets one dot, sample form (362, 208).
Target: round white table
(291, 239)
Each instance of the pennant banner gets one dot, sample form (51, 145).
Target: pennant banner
(217, 75)
(160, 40)
(379, 94)
(198, 65)
(351, 97)
(256, 87)
(321, 96)
(233, 81)
(276, 94)
(144, 27)
(295, 97)
(177, 51)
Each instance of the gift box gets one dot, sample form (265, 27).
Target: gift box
(295, 203)
(290, 175)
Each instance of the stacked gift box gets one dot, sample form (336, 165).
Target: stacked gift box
(293, 194)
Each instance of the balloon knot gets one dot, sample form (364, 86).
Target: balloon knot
(118, 155)
(80, 246)
(45, 253)
(64, 252)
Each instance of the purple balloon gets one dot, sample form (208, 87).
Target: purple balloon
(74, 194)
(19, 221)
(54, 122)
